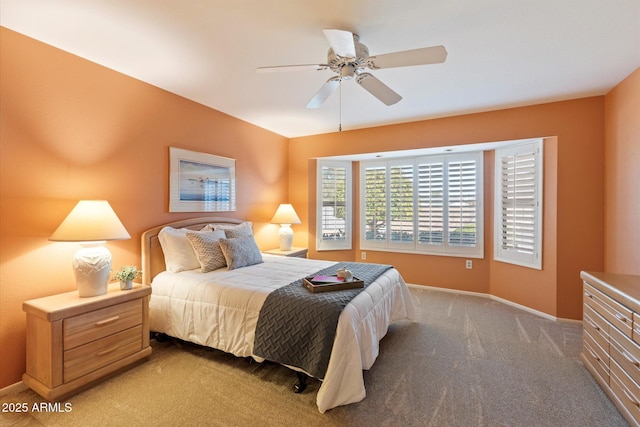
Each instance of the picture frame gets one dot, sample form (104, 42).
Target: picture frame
(201, 182)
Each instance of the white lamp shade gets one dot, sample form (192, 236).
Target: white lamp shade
(90, 221)
(285, 215)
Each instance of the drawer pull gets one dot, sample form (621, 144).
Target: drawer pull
(593, 325)
(595, 356)
(631, 398)
(630, 359)
(108, 350)
(621, 317)
(587, 294)
(107, 321)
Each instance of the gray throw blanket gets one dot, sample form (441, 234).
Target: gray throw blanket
(297, 328)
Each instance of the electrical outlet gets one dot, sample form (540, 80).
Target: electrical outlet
(363, 255)
(469, 264)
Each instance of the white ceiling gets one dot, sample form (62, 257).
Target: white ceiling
(502, 53)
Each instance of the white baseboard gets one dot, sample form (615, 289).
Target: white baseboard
(13, 388)
(495, 298)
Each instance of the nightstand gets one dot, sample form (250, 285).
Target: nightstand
(72, 342)
(294, 252)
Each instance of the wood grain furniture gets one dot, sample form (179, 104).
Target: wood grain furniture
(72, 342)
(294, 252)
(611, 337)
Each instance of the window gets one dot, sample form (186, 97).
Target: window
(430, 204)
(334, 205)
(518, 205)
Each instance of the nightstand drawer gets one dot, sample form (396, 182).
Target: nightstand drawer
(96, 354)
(91, 326)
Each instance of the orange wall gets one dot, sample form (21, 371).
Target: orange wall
(622, 177)
(71, 130)
(574, 196)
(74, 130)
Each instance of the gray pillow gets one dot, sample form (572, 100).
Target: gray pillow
(240, 252)
(207, 249)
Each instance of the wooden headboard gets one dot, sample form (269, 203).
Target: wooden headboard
(152, 256)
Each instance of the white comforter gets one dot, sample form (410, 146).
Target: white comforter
(220, 309)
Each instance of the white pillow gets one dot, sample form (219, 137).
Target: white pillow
(233, 231)
(178, 252)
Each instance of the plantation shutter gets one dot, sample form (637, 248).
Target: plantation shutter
(375, 213)
(428, 204)
(334, 216)
(462, 201)
(431, 202)
(401, 203)
(519, 193)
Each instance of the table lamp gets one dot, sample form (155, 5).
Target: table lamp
(285, 216)
(92, 223)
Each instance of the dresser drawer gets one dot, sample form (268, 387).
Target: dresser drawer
(626, 353)
(626, 390)
(617, 314)
(597, 357)
(596, 326)
(96, 354)
(82, 329)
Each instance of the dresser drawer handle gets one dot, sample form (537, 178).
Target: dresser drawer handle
(107, 321)
(595, 356)
(587, 294)
(631, 398)
(107, 350)
(621, 317)
(630, 359)
(593, 325)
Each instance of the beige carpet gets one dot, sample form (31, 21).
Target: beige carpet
(466, 361)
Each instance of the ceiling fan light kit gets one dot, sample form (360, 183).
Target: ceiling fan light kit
(349, 59)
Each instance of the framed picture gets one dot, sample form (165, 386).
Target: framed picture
(200, 182)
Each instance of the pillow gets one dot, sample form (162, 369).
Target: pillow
(240, 252)
(178, 252)
(233, 231)
(207, 249)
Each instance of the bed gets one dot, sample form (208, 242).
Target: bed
(220, 308)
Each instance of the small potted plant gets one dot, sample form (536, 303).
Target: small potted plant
(126, 274)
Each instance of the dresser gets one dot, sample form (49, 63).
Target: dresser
(611, 337)
(73, 342)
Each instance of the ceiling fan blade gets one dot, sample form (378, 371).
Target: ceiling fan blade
(302, 67)
(422, 56)
(341, 42)
(378, 89)
(325, 91)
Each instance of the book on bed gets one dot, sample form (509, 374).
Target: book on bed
(324, 283)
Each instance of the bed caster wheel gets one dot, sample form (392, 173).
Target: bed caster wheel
(301, 385)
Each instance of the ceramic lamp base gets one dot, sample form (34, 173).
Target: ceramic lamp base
(92, 267)
(286, 237)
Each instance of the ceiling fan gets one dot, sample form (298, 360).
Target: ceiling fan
(348, 58)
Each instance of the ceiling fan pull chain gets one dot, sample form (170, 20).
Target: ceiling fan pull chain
(340, 106)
